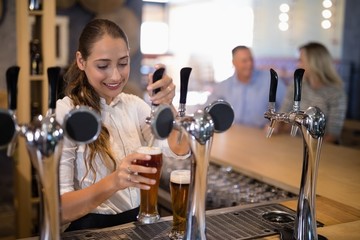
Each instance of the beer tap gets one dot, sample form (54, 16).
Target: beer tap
(312, 126)
(215, 118)
(199, 129)
(44, 141)
(9, 127)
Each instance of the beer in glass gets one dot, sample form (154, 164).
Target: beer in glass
(148, 212)
(179, 190)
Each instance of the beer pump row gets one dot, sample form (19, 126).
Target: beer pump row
(218, 117)
(44, 141)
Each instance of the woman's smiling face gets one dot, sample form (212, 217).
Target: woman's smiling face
(107, 67)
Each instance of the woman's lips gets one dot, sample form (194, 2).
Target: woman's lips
(112, 86)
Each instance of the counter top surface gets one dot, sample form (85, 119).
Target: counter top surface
(278, 160)
(344, 231)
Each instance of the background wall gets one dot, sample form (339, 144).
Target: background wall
(351, 56)
(304, 25)
(7, 41)
(79, 16)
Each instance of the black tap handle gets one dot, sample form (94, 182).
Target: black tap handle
(298, 75)
(273, 85)
(12, 75)
(184, 82)
(158, 74)
(222, 114)
(53, 77)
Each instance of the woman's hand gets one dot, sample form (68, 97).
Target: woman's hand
(167, 89)
(166, 96)
(127, 175)
(76, 204)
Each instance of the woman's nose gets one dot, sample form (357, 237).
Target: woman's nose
(116, 74)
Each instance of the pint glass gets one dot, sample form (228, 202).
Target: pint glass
(148, 212)
(179, 190)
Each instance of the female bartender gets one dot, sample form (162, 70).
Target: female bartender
(98, 186)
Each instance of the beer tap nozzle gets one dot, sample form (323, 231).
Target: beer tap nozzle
(272, 100)
(298, 75)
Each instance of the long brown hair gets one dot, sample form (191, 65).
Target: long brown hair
(321, 63)
(81, 92)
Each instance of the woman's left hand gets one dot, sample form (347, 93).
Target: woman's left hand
(167, 89)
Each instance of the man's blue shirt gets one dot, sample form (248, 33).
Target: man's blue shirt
(250, 100)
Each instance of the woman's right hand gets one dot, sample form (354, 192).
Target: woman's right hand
(76, 204)
(127, 175)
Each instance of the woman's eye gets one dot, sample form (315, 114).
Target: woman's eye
(102, 66)
(123, 64)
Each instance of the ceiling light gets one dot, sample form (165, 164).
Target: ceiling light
(326, 13)
(326, 24)
(283, 17)
(283, 26)
(327, 3)
(284, 8)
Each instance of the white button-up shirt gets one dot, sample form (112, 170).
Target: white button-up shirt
(124, 118)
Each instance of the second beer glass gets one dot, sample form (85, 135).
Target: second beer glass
(148, 212)
(179, 189)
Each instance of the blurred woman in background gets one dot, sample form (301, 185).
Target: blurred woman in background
(321, 87)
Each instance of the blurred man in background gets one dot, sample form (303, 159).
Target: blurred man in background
(247, 90)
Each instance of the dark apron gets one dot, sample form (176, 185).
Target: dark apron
(95, 220)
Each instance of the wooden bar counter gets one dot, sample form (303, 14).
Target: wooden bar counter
(278, 160)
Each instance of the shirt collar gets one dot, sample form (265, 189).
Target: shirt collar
(113, 103)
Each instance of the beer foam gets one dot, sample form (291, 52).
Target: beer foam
(149, 150)
(180, 176)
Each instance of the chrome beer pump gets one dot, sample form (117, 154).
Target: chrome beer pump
(44, 141)
(199, 129)
(312, 125)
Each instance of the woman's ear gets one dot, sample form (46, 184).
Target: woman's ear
(80, 61)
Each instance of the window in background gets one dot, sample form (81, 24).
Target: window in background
(154, 38)
(204, 33)
(199, 34)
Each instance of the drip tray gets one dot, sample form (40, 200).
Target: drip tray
(235, 223)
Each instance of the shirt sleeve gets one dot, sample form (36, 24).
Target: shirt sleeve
(67, 160)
